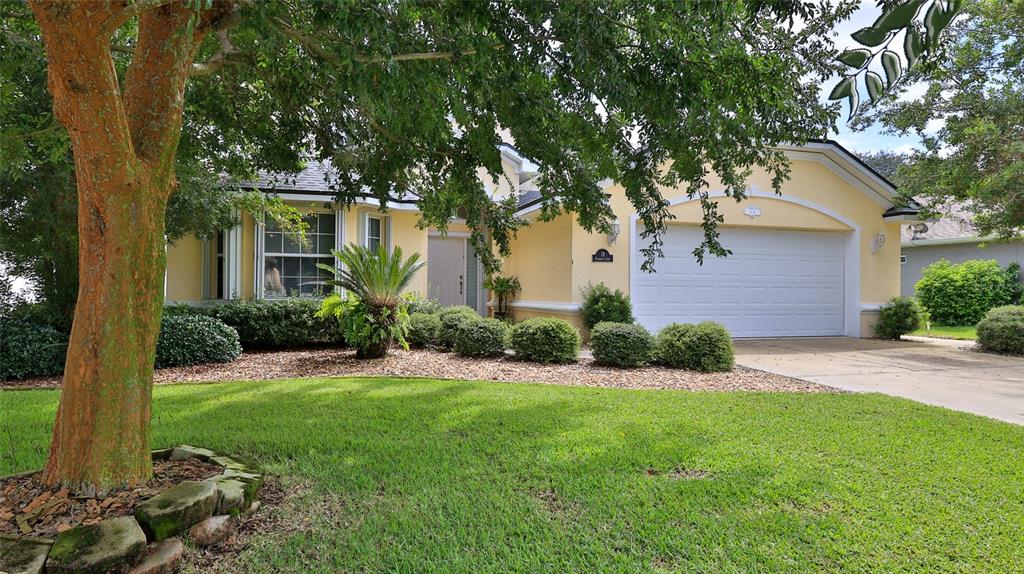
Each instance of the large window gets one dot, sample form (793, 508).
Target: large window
(374, 232)
(290, 264)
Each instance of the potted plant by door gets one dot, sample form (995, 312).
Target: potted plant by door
(504, 289)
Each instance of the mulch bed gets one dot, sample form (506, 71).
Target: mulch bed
(427, 363)
(28, 508)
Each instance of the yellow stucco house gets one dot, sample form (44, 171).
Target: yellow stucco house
(819, 260)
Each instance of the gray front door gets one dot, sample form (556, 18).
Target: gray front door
(446, 269)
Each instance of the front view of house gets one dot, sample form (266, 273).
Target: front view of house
(817, 260)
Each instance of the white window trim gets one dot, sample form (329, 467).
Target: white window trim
(385, 229)
(261, 251)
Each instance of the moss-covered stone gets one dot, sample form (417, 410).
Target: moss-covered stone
(23, 554)
(110, 545)
(233, 464)
(186, 451)
(177, 509)
(232, 494)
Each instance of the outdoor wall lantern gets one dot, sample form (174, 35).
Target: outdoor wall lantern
(613, 232)
(878, 242)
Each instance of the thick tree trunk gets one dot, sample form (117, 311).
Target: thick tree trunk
(124, 144)
(101, 437)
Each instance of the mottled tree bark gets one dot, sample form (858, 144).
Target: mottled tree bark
(124, 146)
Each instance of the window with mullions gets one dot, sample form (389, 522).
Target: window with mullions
(290, 264)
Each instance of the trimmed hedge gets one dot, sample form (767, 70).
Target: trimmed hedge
(452, 319)
(29, 349)
(601, 304)
(705, 347)
(482, 338)
(281, 324)
(195, 339)
(1002, 330)
(901, 315)
(961, 294)
(621, 345)
(545, 340)
(424, 329)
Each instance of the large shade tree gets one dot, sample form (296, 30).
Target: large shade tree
(967, 109)
(406, 99)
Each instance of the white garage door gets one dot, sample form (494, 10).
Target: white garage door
(775, 284)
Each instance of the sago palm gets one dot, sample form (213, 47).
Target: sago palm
(375, 280)
(375, 277)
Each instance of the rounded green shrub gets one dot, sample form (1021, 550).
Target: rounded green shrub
(601, 304)
(961, 294)
(705, 347)
(28, 349)
(901, 315)
(278, 324)
(621, 344)
(1002, 330)
(452, 319)
(417, 303)
(195, 339)
(482, 338)
(545, 340)
(424, 329)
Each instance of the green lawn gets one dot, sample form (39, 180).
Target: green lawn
(420, 475)
(968, 333)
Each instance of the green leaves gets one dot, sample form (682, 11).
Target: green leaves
(875, 87)
(892, 66)
(896, 17)
(870, 36)
(855, 58)
(938, 17)
(913, 45)
(899, 16)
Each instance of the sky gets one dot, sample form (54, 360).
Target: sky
(871, 139)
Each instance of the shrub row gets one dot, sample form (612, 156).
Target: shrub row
(195, 339)
(29, 349)
(705, 347)
(282, 324)
(33, 350)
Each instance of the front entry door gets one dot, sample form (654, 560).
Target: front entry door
(446, 269)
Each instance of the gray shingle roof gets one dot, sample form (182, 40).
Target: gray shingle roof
(312, 179)
(954, 224)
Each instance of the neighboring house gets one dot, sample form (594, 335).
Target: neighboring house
(819, 260)
(952, 237)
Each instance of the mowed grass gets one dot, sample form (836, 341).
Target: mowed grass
(397, 475)
(968, 333)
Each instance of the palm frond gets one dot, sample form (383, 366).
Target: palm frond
(376, 277)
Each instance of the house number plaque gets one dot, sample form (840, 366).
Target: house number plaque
(602, 256)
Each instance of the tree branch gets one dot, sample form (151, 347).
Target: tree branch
(227, 53)
(317, 50)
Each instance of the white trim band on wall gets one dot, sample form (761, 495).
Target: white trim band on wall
(552, 306)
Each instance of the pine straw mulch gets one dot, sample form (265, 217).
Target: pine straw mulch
(434, 364)
(28, 508)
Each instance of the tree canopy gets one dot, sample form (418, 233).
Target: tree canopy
(407, 100)
(969, 117)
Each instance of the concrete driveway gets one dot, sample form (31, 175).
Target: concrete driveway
(936, 374)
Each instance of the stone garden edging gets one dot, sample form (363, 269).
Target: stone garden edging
(147, 542)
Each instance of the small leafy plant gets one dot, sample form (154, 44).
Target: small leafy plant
(901, 315)
(504, 289)
(601, 304)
